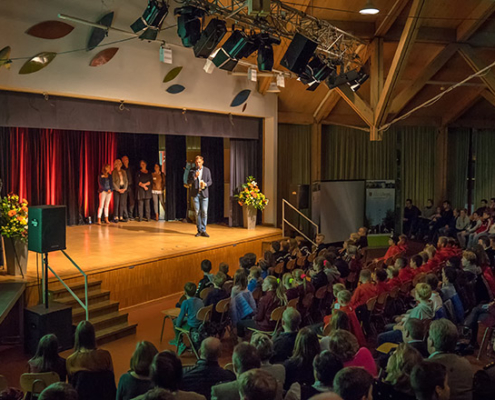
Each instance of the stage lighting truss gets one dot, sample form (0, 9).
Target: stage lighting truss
(284, 21)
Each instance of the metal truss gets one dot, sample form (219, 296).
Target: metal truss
(334, 44)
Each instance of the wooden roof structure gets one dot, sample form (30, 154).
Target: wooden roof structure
(415, 50)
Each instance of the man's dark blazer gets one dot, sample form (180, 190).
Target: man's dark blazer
(195, 182)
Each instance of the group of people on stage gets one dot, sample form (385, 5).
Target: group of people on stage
(125, 184)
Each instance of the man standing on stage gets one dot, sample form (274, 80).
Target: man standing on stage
(131, 174)
(200, 180)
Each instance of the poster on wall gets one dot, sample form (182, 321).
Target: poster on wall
(380, 205)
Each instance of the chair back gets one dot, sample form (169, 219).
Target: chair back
(327, 329)
(301, 261)
(182, 298)
(277, 316)
(398, 255)
(311, 257)
(223, 306)
(279, 268)
(380, 264)
(293, 303)
(227, 286)
(406, 287)
(257, 293)
(394, 292)
(372, 266)
(418, 278)
(95, 385)
(229, 367)
(389, 261)
(382, 298)
(307, 301)
(205, 292)
(370, 304)
(34, 383)
(204, 313)
(291, 265)
(321, 293)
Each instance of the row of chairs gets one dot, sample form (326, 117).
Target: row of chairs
(32, 384)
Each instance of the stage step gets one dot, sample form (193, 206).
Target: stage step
(110, 324)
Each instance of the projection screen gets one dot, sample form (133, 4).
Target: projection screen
(342, 207)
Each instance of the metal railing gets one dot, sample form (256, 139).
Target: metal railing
(44, 275)
(285, 221)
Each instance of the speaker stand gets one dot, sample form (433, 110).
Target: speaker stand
(44, 267)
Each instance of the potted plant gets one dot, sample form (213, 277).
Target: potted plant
(251, 200)
(14, 229)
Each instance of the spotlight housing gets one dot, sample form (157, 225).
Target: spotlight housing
(152, 19)
(336, 80)
(189, 24)
(237, 46)
(369, 9)
(265, 51)
(210, 37)
(316, 71)
(356, 84)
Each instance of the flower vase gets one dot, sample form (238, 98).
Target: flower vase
(249, 217)
(16, 256)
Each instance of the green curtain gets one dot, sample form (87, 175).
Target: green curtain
(294, 158)
(349, 154)
(484, 184)
(418, 163)
(457, 166)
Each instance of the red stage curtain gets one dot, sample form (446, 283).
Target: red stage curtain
(48, 166)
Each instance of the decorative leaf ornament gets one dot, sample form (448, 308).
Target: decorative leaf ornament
(244, 107)
(175, 89)
(98, 34)
(103, 57)
(50, 30)
(5, 57)
(36, 63)
(172, 74)
(241, 97)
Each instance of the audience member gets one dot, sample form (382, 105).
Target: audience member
(429, 381)
(447, 291)
(289, 283)
(59, 391)
(137, 381)
(331, 271)
(325, 366)
(244, 358)
(283, 343)
(474, 225)
(46, 358)
(86, 356)
(278, 254)
(299, 367)
(320, 244)
(207, 277)
(381, 285)
(415, 262)
(362, 242)
(242, 305)
(216, 294)
(255, 384)
(365, 291)
(166, 373)
(436, 299)
(12, 393)
(414, 335)
(318, 276)
(254, 279)
(264, 346)
(303, 246)
(158, 394)
(405, 273)
(207, 372)
(354, 384)
(442, 340)
(224, 267)
(393, 277)
(411, 218)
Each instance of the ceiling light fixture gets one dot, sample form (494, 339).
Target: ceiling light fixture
(369, 9)
(273, 88)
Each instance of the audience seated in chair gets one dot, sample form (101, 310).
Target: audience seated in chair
(442, 340)
(318, 276)
(414, 335)
(137, 380)
(166, 373)
(207, 372)
(380, 279)
(255, 384)
(429, 381)
(354, 384)
(207, 277)
(254, 279)
(243, 306)
(224, 267)
(46, 358)
(216, 294)
(405, 272)
(59, 391)
(264, 347)
(283, 343)
(86, 356)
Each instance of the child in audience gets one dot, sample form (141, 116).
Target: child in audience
(381, 285)
(320, 244)
(207, 277)
(263, 264)
(46, 358)
(224, 267)
(448, 290)
(289, 284)
(415, 262)
(365, 291)
(405, 273)
(242, 304)
(393, 277)
(331, 271)
(355, 265)
(303, 246)
(318, 276)
(397, 244)
(336, 288)
(433, 262)
(436, 299)
(254, 279)
(216, 294)
(187, 317)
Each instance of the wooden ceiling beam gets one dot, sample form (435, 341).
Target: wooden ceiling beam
(376, 71)
(360, 106)
(399, 61)
(477, 64)
(383, 25)
(295, 118)
(326, 106)
(477, 17)
(458, 108)
(489, 96)
(411, 90)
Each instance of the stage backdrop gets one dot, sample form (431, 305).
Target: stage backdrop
(48, 166)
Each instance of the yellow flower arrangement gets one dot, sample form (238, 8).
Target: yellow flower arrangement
(250, 195)
(14, 217)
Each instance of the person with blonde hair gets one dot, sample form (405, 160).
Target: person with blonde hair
(264, 346)
(290, 286)
(136, 381)
(119, 185)
(105, 186)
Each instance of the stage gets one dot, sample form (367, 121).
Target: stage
(143, 261)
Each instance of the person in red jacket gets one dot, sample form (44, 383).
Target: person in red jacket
(393, 249)
(393, 277)
(405, 272)
(415, 262)
(380, 278)
(433, 262)
(365, 291)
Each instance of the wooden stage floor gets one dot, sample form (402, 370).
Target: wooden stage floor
(154, 258)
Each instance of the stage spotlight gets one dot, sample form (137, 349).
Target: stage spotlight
(316, 71)
(210, 37)
(356, 84)
(152, 19)
(237, 46)
(189, 24)
(265, 51)
(298, 54)
(334, 81)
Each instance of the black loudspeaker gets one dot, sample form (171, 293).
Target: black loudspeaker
(299, 196)
(46, 228)
(40, 321)
(298, 54)
(210, 37)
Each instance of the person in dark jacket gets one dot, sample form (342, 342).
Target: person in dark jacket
(216, 294)
(207, 277)
(283, 343)
(318, 276)
(46, 358)
(105, 186)
(144, 194)
(131, 177)
(207, 372)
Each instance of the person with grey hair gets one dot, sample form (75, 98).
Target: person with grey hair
(283, 343)
(442, 340)
(207, 372)
(59, 391)
(257, 385)
(264, 346)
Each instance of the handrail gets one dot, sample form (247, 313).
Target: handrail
(284, 221)
(85, 305)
